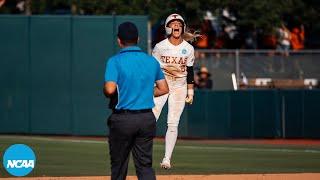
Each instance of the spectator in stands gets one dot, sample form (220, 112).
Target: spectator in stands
(250, 40)
(203, 41)
(283, 45)
(203, 80)
(284, 36)
(270, 42)
(206, 39)
(2, 2)
(297, 38)
(297, 43)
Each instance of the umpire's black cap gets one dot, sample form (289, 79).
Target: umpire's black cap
(127, 31)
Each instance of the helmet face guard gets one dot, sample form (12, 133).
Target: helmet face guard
(171, 18)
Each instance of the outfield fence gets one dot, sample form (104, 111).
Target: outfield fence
(52, 72)
(52, 69)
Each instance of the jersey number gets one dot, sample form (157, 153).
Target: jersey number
(183, 68)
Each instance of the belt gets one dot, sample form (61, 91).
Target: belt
(128, 111)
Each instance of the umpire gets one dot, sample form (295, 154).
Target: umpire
(136, 77)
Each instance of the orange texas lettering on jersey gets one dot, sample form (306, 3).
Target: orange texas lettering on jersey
(174, 66)
(173, 60)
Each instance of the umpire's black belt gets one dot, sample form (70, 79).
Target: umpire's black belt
(128, 111)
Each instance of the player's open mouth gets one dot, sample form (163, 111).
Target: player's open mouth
(175, 30)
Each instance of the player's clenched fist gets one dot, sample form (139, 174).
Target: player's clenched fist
(189, 98)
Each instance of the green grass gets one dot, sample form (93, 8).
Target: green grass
(66, 157)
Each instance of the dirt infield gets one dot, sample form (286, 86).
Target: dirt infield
(308, 176)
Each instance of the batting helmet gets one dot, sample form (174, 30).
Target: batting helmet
(171, 18)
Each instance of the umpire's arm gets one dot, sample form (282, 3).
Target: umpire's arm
(110, 78)
(161, 88)
(109, 88)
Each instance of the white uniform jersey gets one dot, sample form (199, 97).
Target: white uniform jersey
(176, 57)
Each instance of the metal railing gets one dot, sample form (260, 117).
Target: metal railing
(272, 64)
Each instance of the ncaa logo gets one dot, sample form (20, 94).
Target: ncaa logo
(19, 160)
(184, 51)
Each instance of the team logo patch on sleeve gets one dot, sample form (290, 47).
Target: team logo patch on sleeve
(184, 51)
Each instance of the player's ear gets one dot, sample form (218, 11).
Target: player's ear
(138, 39)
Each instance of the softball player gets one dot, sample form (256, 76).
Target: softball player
(176, 57)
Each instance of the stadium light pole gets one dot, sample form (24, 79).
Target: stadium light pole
(28, 11)
(283, 116)
(74, 7)
(237, 68)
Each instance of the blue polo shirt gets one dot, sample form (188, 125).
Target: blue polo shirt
(135, 73)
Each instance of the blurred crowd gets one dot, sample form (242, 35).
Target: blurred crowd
(221, 27)
(222, 32)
